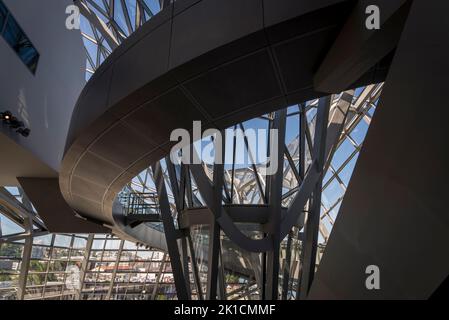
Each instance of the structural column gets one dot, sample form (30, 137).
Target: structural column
(170, 234)
(214, 253)
(26, 256)
(310, 240)
(275, 204)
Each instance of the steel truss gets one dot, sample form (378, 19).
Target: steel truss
(279, 224)
(251, 267)
(106, 23)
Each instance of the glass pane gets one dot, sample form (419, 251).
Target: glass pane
(98, 244)
(60, 253)
(112, 244)
(346, 172)
(128, 255)
(38, 252)
(342, 153)
(58, 265)
(7, 226)
(20, 43)
(11, 250)
(36, 279)
(43, 240)
(359, 133)
(332, 194)
(110, 256)
(129, 245)
(79, 243)
(62, 241)
(38, 266)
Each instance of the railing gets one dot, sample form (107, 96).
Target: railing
(141, 203)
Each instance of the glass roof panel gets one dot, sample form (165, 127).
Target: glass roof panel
(8, 227)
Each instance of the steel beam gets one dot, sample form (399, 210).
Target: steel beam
(159, 276)
(196, 275)
(275, 202)
(287, 269)
(117, 261)
(214, 228)
(98, 24)
(185, 264)
(170, 233)
(84, 265)
(26, 256)
(313, 219)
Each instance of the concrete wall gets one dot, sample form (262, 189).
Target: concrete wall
(44, 101)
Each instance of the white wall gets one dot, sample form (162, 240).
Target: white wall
(44, 101)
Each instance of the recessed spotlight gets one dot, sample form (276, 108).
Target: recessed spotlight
(6, 116)
(14, 123)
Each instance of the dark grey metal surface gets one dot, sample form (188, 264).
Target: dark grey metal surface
(168, 73)
(394, 214)
(357, 48)
(58, 216)
(223, 62)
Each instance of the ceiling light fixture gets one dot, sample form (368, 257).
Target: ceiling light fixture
(5, 116)
(14, 123)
